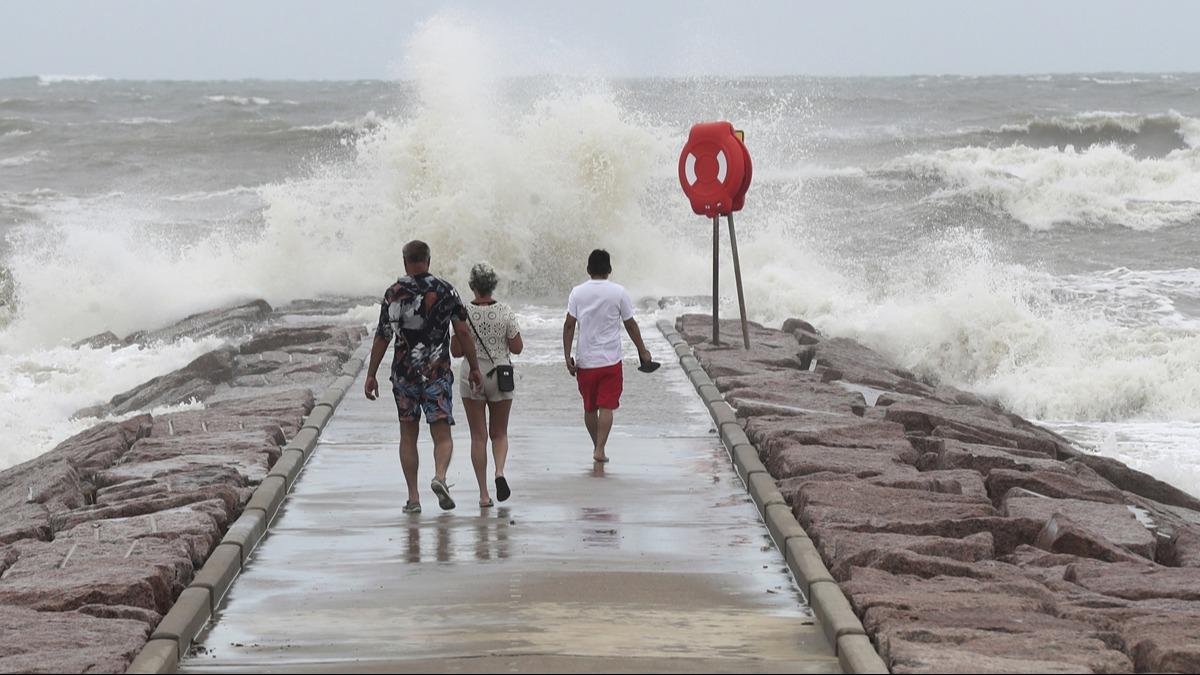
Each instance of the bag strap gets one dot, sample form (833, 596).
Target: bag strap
(480, 340)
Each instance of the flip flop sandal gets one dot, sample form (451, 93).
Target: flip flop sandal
(411, 507)
(502, 491)
(600, 461)
(649, 366)
(443, 494)
(487, 505)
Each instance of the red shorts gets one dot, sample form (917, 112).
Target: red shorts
(601, 387)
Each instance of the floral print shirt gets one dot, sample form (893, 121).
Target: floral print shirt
(417, 312)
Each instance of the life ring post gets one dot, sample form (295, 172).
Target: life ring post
(737, 274)
(714, 172)
(716, 301)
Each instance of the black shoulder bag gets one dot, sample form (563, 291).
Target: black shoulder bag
(505, 377)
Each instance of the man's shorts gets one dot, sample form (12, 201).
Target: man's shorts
(434, 397)
(601, 387)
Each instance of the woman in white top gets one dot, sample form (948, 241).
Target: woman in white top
(497, 337)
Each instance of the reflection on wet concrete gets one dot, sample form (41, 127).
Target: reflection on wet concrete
(656, 562)
(606, 533)
(438, 539)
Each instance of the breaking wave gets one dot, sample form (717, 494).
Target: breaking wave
(1043, 188)
(1146, 135)
(531, 189)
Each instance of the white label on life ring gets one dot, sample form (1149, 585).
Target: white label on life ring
(689, 169)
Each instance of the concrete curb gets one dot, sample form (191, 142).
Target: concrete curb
(710, 394)
(364, 349)
(734, 435)
(805, 562)
(246, 532)
(335, 392)
(218, 573)
(352, 366)
(186, 619)
(856, 654)
(195, 606)
(832, 607)
(268, 496)
(746, 461)
(699, 377)
(721, 413)
(319, 417)
(158, 656)
(782, 524)
(842, 627)
(305, 441)
(764, 491)
(288, 466)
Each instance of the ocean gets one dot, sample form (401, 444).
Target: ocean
(1033, 238)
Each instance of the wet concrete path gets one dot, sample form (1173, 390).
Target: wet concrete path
(656, 562)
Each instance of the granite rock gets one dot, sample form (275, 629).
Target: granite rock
(1115, 523)
(67, 642)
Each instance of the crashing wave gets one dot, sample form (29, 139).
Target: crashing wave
(1147, 135)
(1046, 187)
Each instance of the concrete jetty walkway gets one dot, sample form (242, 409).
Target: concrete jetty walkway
(656, 562)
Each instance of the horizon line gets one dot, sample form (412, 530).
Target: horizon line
(70, 78)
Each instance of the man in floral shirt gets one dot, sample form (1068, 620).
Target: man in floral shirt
(418, 312)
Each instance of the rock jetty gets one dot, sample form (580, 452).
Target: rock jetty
(966, 538)
(99, 536)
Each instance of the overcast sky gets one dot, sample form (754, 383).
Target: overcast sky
(307, 39)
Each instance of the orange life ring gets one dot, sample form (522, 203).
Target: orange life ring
(714, 169)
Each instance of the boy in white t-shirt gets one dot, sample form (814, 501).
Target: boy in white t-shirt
(600, 308)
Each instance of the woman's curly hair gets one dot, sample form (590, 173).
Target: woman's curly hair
(483, 278)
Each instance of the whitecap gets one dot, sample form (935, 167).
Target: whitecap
(139, 121)
(239, 100)
(22, 160)
(46, 80)
(1047, 187)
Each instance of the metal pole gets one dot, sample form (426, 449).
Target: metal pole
(737, 273)
(716, 279)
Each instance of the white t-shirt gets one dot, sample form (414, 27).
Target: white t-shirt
(601, 308)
